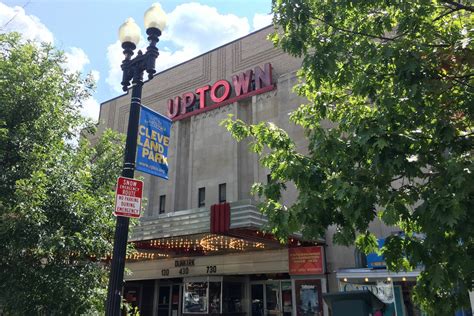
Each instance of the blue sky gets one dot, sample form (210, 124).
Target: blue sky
(87, 31)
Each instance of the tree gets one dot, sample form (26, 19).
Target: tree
(396, 79)
(56, 191)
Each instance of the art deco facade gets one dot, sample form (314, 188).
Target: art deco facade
(201, 242)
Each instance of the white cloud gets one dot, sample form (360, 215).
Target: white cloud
(193, 29)
(76, 59)
(169, 58)
(114, 58)
(96, 75)
(261, 20)
(15, 19)
(202, 27)
(90, 108)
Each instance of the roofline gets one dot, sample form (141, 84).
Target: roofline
(196, 57)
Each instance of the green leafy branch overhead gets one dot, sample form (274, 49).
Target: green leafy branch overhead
(395, 80)
(56, 190)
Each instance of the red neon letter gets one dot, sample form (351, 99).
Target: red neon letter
(173, 107)
(242, 82)
(221, 83)
(188, 100)
(263, 78)
(202, 96)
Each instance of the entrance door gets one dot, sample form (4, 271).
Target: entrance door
(164, 301)
(258, 301)
(271, 298)
(176, 291)
(169, 298)
(286, 299)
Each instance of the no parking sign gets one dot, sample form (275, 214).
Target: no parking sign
(128, 197)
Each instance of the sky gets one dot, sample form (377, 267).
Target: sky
(87, 31)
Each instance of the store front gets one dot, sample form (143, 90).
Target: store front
(214, 295)
(216, 261)
(246, 283)
(393, 289)
(256, 295)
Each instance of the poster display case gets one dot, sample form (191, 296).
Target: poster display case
(308, 297)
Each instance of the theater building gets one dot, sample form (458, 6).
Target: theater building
(201, 242)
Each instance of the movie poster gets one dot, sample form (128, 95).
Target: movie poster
(308, 298)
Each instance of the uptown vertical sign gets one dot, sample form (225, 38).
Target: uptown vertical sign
(222, 92)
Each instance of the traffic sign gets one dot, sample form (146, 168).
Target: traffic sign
(128, 197)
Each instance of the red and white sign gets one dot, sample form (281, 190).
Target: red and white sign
(128, 197)
(305, 260)
(246, 84)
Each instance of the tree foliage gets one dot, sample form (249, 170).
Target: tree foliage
(396, 79)
(56, 192)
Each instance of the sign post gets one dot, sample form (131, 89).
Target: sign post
(133, 70)
(146, 150)
(128, 197)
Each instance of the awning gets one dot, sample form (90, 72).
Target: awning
(244, 215)
(362, 273)
(221, 228)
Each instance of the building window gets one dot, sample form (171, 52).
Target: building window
(162, 203)
(269, 178)
(202, 297)
(201, 197)
(222, 193)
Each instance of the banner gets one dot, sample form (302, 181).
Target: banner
(382, 289)
(375, 261)
(305, 260)
(153, 142)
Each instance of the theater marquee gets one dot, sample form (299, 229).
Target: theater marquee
(246, 84)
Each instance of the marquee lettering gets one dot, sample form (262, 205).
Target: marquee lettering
(242, 82)
(188, 100)
(245, 84)
(184, 263)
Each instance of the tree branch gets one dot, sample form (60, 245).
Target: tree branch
(446, 13)
(461, 77)
(361, 33)
(460, 6)
(463, 83)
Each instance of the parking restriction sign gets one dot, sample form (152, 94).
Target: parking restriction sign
(128, 197)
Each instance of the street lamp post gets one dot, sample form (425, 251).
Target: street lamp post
(133, 69)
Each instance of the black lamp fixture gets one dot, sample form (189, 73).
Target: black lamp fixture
(129, 34)
(133, 69)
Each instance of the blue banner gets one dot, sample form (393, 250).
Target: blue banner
(375, 261)
(153, 142)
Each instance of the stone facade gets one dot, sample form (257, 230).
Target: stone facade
(202, 153)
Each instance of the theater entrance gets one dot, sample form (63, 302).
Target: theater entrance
(272, 297)
(169, 298)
